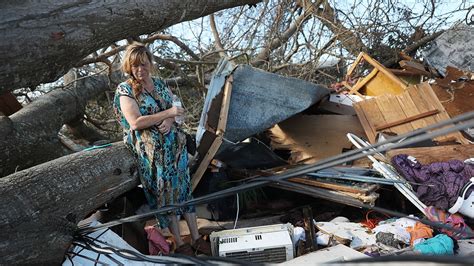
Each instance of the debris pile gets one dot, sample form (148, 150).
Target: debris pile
(382, 141)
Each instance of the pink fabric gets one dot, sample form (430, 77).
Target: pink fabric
(156, 241)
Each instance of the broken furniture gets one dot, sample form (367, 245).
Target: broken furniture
(378, 82)
(243, 101)
(414, 108)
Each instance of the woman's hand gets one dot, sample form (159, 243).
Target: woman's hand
(165, 126)
(176, 111)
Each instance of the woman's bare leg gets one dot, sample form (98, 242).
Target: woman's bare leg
(192, 224)
(174, 228)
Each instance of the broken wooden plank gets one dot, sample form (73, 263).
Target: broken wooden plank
(427, 155)
(414, 67)
(325, 194)
(351, 187)
(361, 82)
(370, 131)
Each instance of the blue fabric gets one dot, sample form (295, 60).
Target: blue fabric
(162, 159)
(438, 245)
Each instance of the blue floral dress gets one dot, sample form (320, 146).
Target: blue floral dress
(162, 159)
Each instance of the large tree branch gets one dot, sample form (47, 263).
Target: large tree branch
(217, 38)
(29, 136)
(42, 40)
(167, 37)
(40, 206)
(274, 43)
(348, 38)
(177, 68)
(413, 47)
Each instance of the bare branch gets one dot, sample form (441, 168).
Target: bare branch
(217, 39)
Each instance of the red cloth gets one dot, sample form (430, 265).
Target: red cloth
(156, 241)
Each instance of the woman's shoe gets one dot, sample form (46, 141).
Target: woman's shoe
(185, 249)
(202, 246)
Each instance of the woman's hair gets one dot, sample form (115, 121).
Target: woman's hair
(136, 53)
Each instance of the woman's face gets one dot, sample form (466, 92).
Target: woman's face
(141, 70)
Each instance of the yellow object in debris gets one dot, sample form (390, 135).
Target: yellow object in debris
(378, 82)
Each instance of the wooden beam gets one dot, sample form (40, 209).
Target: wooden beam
(221, 126)
(427, 155)
(335, 186)
(354, 65)
(361, 83)
(205, 162)
(384, 70)
(406, 120)
(414, 67)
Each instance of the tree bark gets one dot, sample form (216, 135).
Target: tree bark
(42, 40)
(41, 206)
(30, 136)
(348, 38)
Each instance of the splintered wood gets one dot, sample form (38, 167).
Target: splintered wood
(416, 107)
(311, 138)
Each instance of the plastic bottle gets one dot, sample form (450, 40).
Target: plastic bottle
(177, 102)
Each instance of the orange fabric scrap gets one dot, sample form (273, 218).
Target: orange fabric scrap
(419, 231)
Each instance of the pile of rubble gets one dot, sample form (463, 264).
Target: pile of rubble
(250, 116)
(364, 143)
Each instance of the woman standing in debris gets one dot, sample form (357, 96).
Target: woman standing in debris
(145, 111)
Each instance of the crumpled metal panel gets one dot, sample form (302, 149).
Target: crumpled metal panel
(259, 99)
(455, 47)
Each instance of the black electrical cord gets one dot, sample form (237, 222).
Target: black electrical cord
(107, 249)
(124, 253)
(137, 256)
(105, 231)
(408, 138)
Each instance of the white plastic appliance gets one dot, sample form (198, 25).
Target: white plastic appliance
(262, 244)
(464, 205)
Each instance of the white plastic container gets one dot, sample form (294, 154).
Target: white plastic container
(177, 102)
(464, 205)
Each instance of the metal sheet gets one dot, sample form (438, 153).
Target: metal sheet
(259, 99)
(455, 48)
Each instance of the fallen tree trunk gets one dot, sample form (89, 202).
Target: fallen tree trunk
(30, 136)
(42, 40)
(40, 206)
